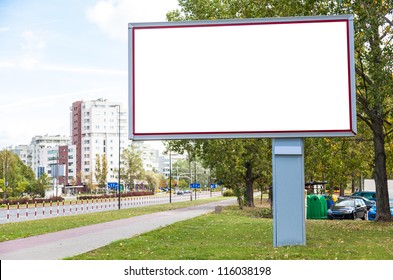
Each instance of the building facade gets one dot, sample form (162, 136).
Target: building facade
(53, 155)
(44, 152)
(95, 128)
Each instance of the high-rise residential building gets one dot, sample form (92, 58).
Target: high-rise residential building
(24, 152)
(149, 156)
(71, 161)
(166, 160)
(53, 155)
(44, 152)
(95, 128)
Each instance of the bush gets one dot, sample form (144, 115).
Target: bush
(24, 200)
(127, 194)
(228, 193)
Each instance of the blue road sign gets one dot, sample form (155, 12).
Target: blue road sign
(195, 186)
(213, 186)
(113, 185)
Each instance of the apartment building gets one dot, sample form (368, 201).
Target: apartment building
(44, 152)
(53, 155)
(24, 153)
(95, 128)
(165, 161)
(149, 155)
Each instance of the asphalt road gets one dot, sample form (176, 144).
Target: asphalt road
(62, 244)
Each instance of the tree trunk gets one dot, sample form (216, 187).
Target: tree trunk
(380, 176)
(249, 192)
(353, 184)
(341, 190)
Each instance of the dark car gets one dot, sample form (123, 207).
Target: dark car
(367, 194)
(351, 208)
(369, 203)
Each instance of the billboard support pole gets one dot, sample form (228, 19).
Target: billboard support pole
(288, 192)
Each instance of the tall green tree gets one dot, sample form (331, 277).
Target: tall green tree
(101, 170)
(132, 165)
(340, 160)
(374, 66)
(42, 184)
(238, 163)
(17, 177)
(153, 180)
(373, 53)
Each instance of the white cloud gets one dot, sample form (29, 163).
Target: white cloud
(32, 47)
(52, 100)
(4, 29)
(28, 116)
(33, 64)
(113, 16)
(84, 70)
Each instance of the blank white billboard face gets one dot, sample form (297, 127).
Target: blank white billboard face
(235, 79)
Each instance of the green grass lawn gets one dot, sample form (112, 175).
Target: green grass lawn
(244, 235)
(16, 230)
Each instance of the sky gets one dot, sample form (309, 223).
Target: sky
(53, 53)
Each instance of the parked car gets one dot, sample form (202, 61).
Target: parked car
(367, 194)
(351, 208)
(180, 192)
(369, 203)
(373, 211)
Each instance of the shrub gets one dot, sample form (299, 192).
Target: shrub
(127, 194)
(24, 200)
(228, 193)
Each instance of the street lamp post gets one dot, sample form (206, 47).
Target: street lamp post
(118, 175)
(119, 159)
(170, 176)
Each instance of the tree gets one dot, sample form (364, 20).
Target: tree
(42, 184)
(17, 177)
(162, 181)
(88, 182)
(337, 161)
(237, 163)
(153, 180)
(101, 170)
(132, 165)
(373, 54)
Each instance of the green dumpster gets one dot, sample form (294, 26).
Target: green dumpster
(316, 207)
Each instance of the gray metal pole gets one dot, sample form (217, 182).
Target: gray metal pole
(119, 161)
(195, 178)
(288, 192)
(170, 176)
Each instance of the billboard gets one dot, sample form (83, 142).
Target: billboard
(276, 77)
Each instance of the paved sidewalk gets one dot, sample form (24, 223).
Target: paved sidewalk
(66, 243)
